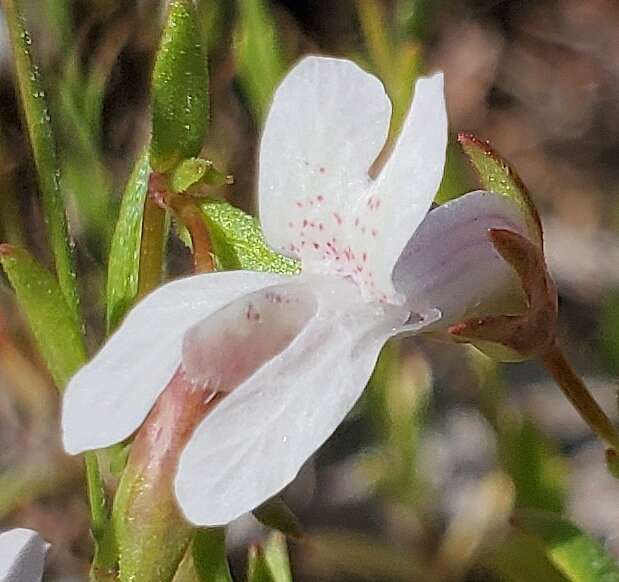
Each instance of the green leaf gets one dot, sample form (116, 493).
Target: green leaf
(260, 62)
(44, 153)
(276, 514)
(208, 550)
(180, 101)
(574, 553)
(276, 556)
(124, 261)
(497, 176)
(238, 241)
(537, 469)
(57, 334)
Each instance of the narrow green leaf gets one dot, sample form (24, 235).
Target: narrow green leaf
(260, 62)
(573, 552)
(537, 469)
(44, 153)
(257, 567)
(276, 556)
(276, 514)
(497, 176)
(58, 17)
(179, 89)
(57, 334)
(238, 241)
(124, 261)
(208, 550)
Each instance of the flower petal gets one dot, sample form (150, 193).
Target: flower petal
(451, 264)
(110, 397)
(402, 194)
(328, 122)
(22, 556)
(259, 436)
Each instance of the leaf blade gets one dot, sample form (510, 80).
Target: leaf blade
(573, 552)
(238, 242)
(58, 336)
(180, 101)
(124, 259)
(44, 153)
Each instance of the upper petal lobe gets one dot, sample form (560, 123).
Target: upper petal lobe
(328, 122)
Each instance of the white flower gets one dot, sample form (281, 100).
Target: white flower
(22, 556)
(294, 353)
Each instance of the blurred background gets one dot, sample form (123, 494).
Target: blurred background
(419, 483)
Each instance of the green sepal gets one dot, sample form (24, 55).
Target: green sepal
(195, 172)
(52, 322)
(124, 260)
(497, 176)
(180, 102)
(574, 553)
(238, 242)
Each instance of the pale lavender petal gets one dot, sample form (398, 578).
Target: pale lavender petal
(450, 263)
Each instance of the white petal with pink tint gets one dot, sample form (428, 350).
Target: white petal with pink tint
(402, 194)
(259, 436)
(110, 397)
(328, 122)
(22, 556)
(451, 264)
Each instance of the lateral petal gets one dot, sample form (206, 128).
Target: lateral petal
(110, 396)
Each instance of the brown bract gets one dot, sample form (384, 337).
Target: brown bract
(528, 334)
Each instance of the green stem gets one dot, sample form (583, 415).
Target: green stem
(152, 247)
(577, 393)
(44, 153)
